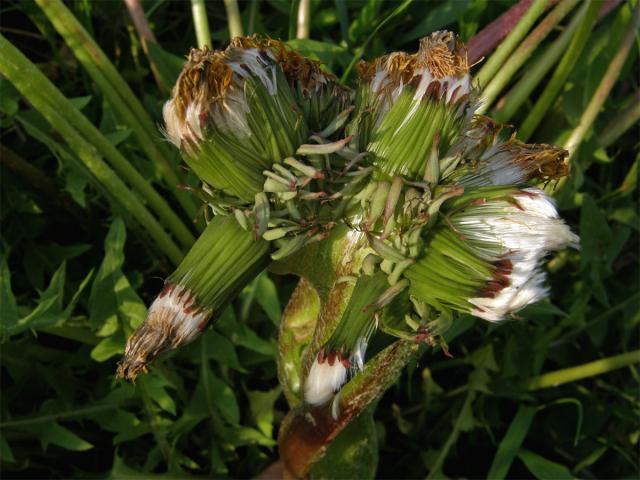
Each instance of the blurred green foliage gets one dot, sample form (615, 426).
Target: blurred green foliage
(74, 283)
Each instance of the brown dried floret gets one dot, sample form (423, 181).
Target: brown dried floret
(205, 77)
(441, 53)
(298, 69)
(539, 160)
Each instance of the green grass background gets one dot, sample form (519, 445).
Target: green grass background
(77, 279)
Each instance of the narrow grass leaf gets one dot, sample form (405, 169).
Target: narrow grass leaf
(56, 434)
(544, 469)
(510, 444)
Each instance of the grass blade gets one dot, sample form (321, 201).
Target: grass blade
(605, 86)
(117, 92)
(23, 74)
(562, 71)
(523, 52)
(510, 444)
(496, 60)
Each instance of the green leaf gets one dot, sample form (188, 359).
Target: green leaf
(261, 408)
(119, 136)
(245, 337)
(156, 387)
(9, 317)
(80, 102)
(109, 347)
(510, 444)
(595, 234)
(169, 65)
(223, 397)
(438, 17)
(9, 97)
(544, 469)
(267, 297)
(6, 455)
(50, 307)
(220, 349)
(56, 434)
(328, 53)
(484, 358)
(111, 296)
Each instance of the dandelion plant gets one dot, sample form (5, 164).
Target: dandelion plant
(328, 250)
(425, 204)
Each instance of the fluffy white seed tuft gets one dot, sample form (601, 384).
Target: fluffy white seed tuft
(324, 380)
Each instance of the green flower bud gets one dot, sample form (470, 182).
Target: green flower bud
(410, 105)
(223, 259)
(233, 114)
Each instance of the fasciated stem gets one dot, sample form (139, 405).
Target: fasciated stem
(296, 330)
(562, 71)
(16, 68)
(306, 432)
(118, 94)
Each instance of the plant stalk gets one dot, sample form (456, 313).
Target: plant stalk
(622, 122)
(146, 36)
(605, 86)
(304, 19)
(233, 18)
(591, 369)
(536, 72)
(561, 72)
(40, 86)
(491, 35)
(201, 23)
(523, 52)
(496, 60)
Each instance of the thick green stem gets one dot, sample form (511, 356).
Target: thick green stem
(201, 23)
(118, 94)
(605, 86)
(233, 18)
(591, 369)
(41, 87)
(16, 68)
(496, 60)
(562, 71)
(523, 52)
(306, 432)
(536, 72)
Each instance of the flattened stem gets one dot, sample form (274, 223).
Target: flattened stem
(306, 432)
